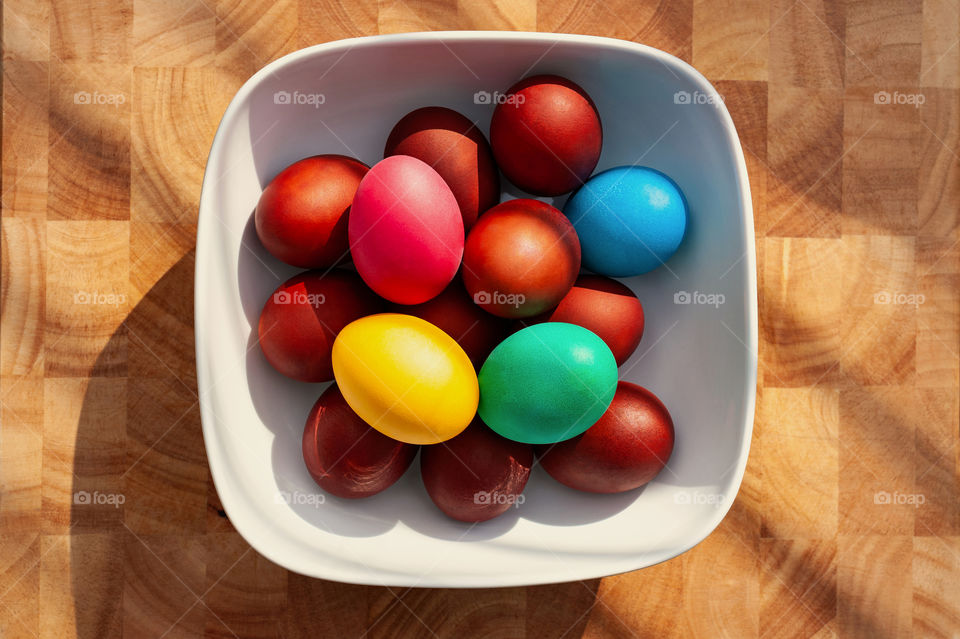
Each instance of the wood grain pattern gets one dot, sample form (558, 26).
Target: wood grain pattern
(847, 523)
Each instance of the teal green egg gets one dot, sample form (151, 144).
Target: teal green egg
(547, 383)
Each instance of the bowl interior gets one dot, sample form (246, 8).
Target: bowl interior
(697, 353)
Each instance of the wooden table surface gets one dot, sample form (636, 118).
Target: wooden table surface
(848, 521)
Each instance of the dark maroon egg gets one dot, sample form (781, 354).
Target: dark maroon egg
(477, 475)
(606, 307)
(457, 150)
(455, 313)
(624, 450)
(346, 456)
(301, 217)
(546, 135)
(303, 316)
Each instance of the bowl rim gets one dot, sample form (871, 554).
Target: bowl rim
(256, 534)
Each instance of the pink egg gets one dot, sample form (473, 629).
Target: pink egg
(406, 231)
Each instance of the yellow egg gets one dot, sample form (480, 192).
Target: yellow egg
(405, 377)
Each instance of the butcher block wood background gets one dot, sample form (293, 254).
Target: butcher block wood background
(848, 521)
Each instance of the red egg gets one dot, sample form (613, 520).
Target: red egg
(546, 135)
(301, 217)
(521, 258)
(477, 475)
(457, 150)
(454, 312)
(303, 316)
(604, 306)
(346, 456)
(624, 450)
(406, 232)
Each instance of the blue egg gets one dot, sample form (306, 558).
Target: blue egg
(630, 220)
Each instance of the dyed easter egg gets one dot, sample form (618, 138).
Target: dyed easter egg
(546, 135)
(301, 217)
(630, 220)
(453, 311)
(625, 449)
(606, 307)
(477, 475)
(457, 150)
(300, 321)
(405, 377)
(406, 232)
(345, 456)
(521, 258)
(547, 383)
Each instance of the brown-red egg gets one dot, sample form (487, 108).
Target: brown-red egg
(629, 445)
(302, 215)
(546, 135)
(303, 316)
(605, 306)
(457, 150)
(521, 258)
(477, 475)
(345, 455)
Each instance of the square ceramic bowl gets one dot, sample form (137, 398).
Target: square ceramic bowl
(697, 354)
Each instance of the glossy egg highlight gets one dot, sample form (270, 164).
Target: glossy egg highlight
(406, 378)
(406, 231)
(547, 383)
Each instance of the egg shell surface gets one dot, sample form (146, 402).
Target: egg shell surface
(547, 383)
(630, 220)
(406, 378)
(454, 311)
(477, 475)
(301, 319)
(301, 217)
(457, 150)
(406, 231)
(345, 456)
(624, 450)
(521, 258)
(546, 135)
(605, 306)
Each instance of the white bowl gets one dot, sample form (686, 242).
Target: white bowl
(698, 357)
